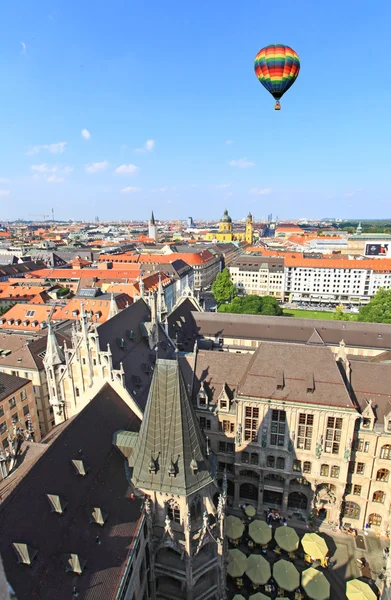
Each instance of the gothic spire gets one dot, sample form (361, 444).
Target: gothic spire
(170, 437)
(54, 355)
(152, 219)
(113, 310)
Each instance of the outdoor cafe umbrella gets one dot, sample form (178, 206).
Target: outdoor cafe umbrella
(250, 511)
(260, 532)
(286, 575)
(287, 538)
(259, 596)
(239, 597)
(234, 527)
(314, 545)
(237, 563)
(359, 590)
(258, 569)
(315, 584)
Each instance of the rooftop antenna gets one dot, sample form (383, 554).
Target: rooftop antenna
(53, 216)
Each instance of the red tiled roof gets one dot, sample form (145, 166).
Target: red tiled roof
(376, 264)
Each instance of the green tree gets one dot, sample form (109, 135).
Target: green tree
(223, 289)
(339, 315)
(378, 309)
(253, 305)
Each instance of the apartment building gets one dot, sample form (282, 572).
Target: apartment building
(258, 275)
(334, 281)
(17, 410)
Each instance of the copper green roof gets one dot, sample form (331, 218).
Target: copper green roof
(170, 453)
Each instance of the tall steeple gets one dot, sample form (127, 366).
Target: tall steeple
(54, 355)
(152, 219)
(170, 454)
(152, 228)
(113, 310)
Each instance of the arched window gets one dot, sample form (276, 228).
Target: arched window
(270, 461)
(297, 500)
(324, 470)
(334, 471)
(385, 452)
(351, 510)
(299, 481)
(382, 475)
(173, 511)
(249, 473)
(245, 457)
(254, 458)
(249, 491)
(196, 508)
(280, 463)
(379, 496)
(307, 467)
(374, 519)
(274, 477)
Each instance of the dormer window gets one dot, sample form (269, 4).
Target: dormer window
(202, 397)
(366, 423)
(224, 399)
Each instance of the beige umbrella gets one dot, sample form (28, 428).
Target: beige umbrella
(315, 584)
(260, 532)
(286, 575)
(259, 596)
(359, 590)
(314, 545)
(238, 597)
(250, 511)
(258, 569)
(287, 538)
(234, 528)
(237, 563)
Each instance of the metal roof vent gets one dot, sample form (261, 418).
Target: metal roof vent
(310, 384)
(57, 504)
(98, 516)
(74, 563)
(194, 466)
(280, 382)
(24, 553)
(80, 467)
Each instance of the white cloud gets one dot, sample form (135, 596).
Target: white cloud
(4, 180)
(130, 190)
(85, 134)
(126, 170)
(4, 193)
(353, 193)
(54, 179)
(228, 142)
(147, 147)
(50, 173)
(260, 191)
(222, 186)
(24, 48)
(97, 167)
(242, 163)
(57, 148)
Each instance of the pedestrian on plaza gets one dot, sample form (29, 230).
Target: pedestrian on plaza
(284, 522)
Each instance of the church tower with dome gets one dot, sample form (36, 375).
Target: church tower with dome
(225, 225)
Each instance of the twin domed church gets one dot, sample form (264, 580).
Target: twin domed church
(227, 234)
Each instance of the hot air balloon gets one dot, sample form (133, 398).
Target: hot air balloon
(277, 67)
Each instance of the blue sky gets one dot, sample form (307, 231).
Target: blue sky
(175, 117)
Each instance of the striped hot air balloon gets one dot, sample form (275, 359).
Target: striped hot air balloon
(277, 67)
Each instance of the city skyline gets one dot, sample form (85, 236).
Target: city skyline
(92, 123)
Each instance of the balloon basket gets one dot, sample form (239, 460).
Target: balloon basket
(277, 106)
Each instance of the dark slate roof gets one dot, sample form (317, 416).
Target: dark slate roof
(26, 517)
(372, 382)
(170, 436)
(136, 355)
(10, 384)
(177, 268)
(297, 366)
(247, 262)
(19, 269)
(290, 329)
(181, 324)
(214, 370)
